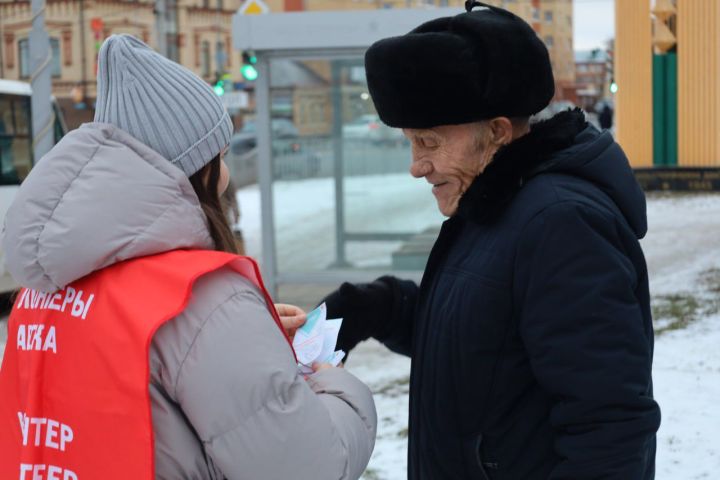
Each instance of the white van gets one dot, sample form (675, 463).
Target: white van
(16, 150)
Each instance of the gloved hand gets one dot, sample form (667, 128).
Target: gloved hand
(378, 309)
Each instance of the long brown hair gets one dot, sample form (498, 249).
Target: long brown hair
(205, 183)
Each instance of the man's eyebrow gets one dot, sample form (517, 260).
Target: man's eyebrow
(427, 132)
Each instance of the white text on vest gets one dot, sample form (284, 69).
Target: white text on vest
(56, 435)
(35, 337)
(58, 301)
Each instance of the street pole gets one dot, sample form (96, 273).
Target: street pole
(83, 52)
(2, 47)
(161, 27)
(43, 117)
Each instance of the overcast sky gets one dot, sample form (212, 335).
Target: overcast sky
(594, 23)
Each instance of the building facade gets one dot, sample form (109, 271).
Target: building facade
(592, 78)
(197, 34)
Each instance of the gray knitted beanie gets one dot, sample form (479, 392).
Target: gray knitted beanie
(160, 103)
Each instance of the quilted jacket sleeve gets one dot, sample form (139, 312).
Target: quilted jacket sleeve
(238, 385)
(590, 345)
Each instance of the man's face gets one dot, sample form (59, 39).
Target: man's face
(449, 157)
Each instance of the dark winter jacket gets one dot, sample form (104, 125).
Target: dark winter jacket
(530, 334)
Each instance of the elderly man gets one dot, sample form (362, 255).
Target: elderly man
(530, 335)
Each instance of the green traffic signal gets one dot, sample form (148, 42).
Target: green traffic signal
(219, 88)
(249, 72)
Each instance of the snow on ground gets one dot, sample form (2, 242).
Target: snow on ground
(683, 254)
(306, 210)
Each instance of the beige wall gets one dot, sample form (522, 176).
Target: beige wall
(633, 74)
(698, 41)
(560, 29)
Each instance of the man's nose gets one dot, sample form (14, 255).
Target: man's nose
(420, 168)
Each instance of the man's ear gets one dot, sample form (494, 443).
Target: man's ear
(501, 131)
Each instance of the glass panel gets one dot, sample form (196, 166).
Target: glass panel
(24, 57)
(205, 59)
(15, 141)
(220, 57)
(55, 64)
(22, 116)
(343, 196)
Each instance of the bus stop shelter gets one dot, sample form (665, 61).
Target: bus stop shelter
(337, 201)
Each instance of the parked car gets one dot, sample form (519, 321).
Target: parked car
(285, 137)
(370, 128)
(291, 156)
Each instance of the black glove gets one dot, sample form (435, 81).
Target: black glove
(382, 309)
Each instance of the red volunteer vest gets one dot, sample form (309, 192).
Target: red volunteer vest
(74, 399)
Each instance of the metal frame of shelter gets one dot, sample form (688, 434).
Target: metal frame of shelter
(314, 35)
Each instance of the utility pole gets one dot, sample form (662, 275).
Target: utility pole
(219, 53)
(40, 60)
(161, 26)
(83, 53)
(2, 47)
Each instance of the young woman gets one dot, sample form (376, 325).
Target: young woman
(134, 350)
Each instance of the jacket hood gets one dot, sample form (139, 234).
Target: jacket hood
(99, 197)
(566, 144)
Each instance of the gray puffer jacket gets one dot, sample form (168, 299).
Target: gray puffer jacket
(227, 401)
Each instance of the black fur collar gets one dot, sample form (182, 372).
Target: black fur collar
(516, 162)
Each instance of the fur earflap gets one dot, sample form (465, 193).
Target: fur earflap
(518, 161)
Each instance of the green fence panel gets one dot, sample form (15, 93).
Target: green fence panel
(671, 110)
(659, 112)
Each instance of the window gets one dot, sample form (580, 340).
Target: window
(549, 41)
(536, 13)
(55, 63)
(15, 139)
(172, 47)
(548, 16)
(205, 59)
(220, 57)
(24, 56)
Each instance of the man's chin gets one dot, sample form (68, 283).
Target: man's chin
(447, 210)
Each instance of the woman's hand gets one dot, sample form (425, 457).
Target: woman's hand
(291, 317)
(323, 366)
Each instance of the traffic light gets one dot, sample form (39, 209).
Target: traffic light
(219, 87)
(248, 70)
(613, 86)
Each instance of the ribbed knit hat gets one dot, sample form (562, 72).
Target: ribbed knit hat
(160, 103)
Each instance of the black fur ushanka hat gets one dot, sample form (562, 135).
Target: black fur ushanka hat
(451, 70)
